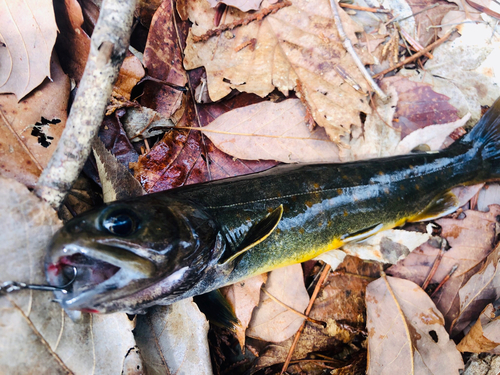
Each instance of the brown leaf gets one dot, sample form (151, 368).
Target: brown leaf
(243, 5)
(272, 321)
(405, 331)
(130, 73)
(271, 131)
(480, 290)
(32, 127)
(162, 59)
(484, 335)
(73, 43)
(471, 240)
(244, 296)
(284, 56)
(146, 9)
(28, 32)
(37, 336)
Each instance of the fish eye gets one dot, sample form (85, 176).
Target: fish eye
(121, 223)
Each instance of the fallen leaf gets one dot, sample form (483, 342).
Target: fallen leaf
(173, 339)
(471, 240)
(480, 290)
(483, 364)
(28, 31)
(272, 321)
(484, 335)
(145, 10)
(244, 296)
(130, 74)
(488, 195)
(37, 335)
(284, 56)
(73, 43)
(162, 59)
(406, 332)
(141, 123)
(465, 70)
(32, 127)
(271, 131)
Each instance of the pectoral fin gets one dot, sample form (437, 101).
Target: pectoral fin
(217, 309)
(442, 205)
(257, 233)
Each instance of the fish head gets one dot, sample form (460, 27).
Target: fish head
(129, 255)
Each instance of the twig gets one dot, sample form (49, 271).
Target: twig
(445, 279)
(318, 322)
(322, 278)
(364, 9)
(108, 47)
(257, 16)
(348, 46)
(397, 19)
(417, 55)
(435, 265)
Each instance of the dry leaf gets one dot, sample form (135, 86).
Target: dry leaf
(405, 331)
(143, 122)
(471, 239)
(31, 128)
(37, 336)
(243, 5)
(272, 321)
(130, 73)
(271, 131)
(173, 339)
(28, 32)
(481, 289)
(244, 296)
(488, 195)
(278, 52)
(484, 336)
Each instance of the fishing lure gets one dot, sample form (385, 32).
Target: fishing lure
(163, 247)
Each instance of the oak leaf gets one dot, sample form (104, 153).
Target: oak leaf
(296, 48)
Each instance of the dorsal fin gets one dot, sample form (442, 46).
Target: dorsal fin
(443, 204)
(257, 233)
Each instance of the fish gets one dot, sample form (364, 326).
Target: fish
(160, 248)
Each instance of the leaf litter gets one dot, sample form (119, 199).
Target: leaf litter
(377, 129)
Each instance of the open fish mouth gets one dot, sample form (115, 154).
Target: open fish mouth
(88, 274)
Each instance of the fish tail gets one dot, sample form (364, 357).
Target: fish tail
(485, 139)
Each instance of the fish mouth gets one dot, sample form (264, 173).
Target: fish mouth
(94, 272)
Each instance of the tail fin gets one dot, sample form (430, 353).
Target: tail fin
(485, 138)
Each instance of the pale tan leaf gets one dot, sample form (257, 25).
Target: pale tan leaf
(488, 195)
(143, 122)
(28, 31)
(405, 331)
(244, 296)
(37, 336)
(272, 321)
(130, 74)
(271, 131)
(296, 48)
(173, 339)
(27, 147)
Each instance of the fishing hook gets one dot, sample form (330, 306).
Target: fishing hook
(14, 286)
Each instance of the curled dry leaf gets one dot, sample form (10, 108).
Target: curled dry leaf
(484, 335)
(471, 240)
(296, 48)
(173, 339)
(481, 289)
(143, 122)
(28, 32)
(244, 296)
(37, 336)
(131, 72)
(32, 127)
(243, 5)
(405, 331)
(272, 321)
(271, 131)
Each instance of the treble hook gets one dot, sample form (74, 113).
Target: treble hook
(13, 286)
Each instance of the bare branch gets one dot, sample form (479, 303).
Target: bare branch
(108, 47)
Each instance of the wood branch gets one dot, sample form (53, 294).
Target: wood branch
(109, 44)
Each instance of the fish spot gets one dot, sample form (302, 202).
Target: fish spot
(345, 213)
(339, 191)
(316, 186)
(320, 224)
(386, 190)
(329, 223)
(417, 187)
(381, 173)
(301, 230)
(411, 166)
(309, 204)
(402, 187)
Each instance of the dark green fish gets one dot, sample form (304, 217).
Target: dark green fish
(160, 248)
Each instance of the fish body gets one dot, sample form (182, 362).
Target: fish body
(163, 247)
